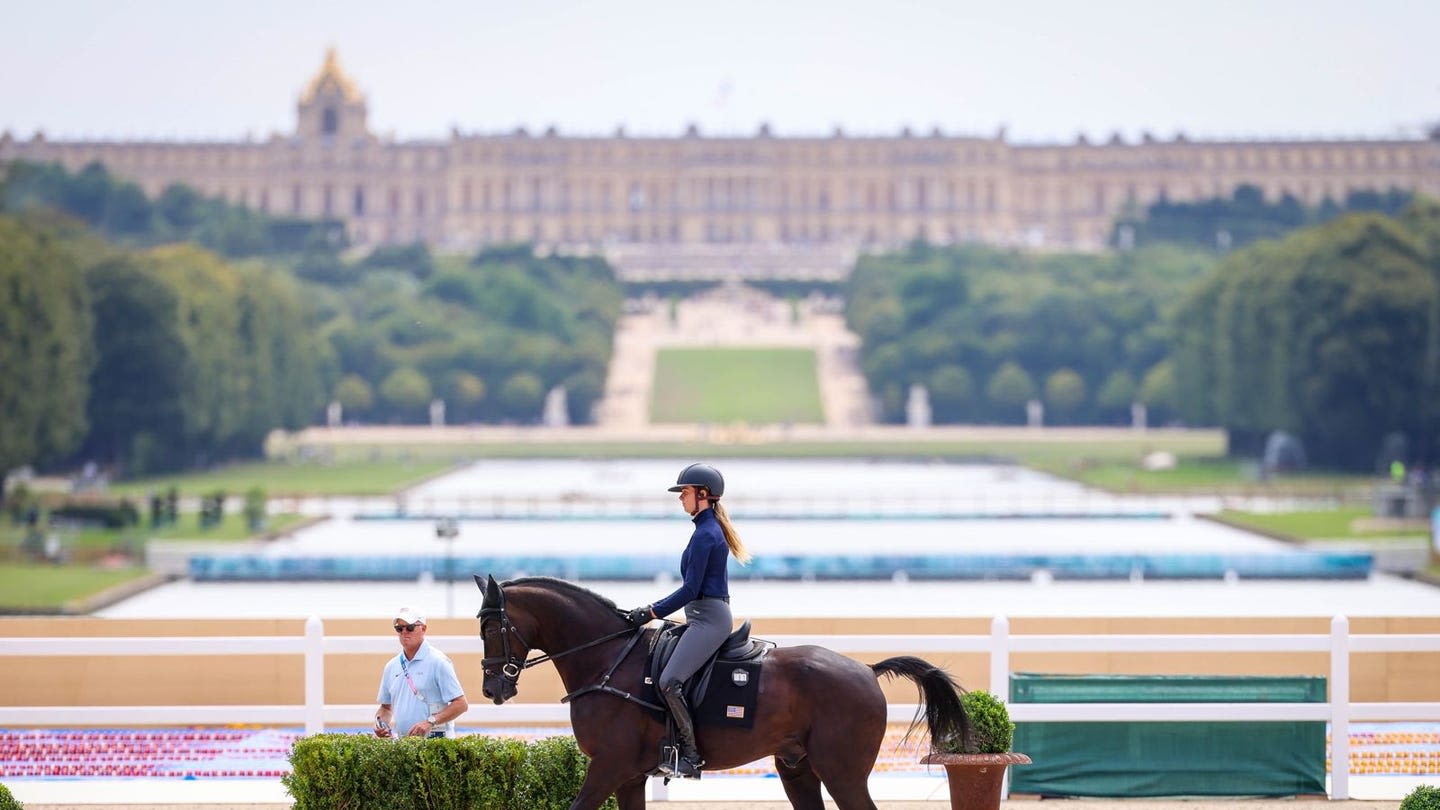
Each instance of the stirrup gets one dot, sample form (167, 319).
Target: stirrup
(674, 766)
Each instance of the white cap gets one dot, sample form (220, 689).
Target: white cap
(409, 616)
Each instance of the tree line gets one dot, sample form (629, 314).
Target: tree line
(988, 330)
(1245, 217)
(143, 348)
(1330, 333)
(129, 336)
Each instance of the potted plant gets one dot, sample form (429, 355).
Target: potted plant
(975, 766)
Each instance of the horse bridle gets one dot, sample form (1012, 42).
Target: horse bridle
(511, 665)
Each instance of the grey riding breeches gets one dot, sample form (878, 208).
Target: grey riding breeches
(709, 623)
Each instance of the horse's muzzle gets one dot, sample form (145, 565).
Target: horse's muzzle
(498, 689)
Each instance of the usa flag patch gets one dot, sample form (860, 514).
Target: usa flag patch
(735, 712)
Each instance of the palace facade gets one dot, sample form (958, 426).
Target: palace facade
(703, 207)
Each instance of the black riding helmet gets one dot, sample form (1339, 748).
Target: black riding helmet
(701, 475)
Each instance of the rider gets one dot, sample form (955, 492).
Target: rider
(705, 595)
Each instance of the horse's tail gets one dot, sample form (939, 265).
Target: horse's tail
(943, 712)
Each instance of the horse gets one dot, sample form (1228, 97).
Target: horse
(822, 716)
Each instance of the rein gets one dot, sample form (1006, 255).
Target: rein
(512, 665)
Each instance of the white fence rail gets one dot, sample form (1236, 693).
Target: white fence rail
(315, 714)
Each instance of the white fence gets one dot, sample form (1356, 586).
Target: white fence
(315, 714)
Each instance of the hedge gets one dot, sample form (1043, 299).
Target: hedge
(7, 801)
(1423, 797)
(355, 771)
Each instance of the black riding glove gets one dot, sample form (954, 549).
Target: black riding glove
(639, 616)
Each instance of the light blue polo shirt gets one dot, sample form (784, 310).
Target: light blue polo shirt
(433, 676)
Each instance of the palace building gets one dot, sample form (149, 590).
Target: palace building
(692, 206)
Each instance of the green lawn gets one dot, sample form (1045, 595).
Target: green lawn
(48, 587)
(751, 386)
(1208, 474)
(1346, 522)
(98, 558)
(374, 475)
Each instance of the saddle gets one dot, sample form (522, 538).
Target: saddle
(731, 703)
(738, 648)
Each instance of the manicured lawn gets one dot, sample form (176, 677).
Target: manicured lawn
(1199, 474)
(352, 476)
(726, 386)
(40, 586)
(1342, 523)
(29, 585)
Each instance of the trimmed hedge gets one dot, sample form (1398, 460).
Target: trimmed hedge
(353, 771)
(7, 801)
(1423, 797)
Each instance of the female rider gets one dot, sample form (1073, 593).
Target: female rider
(705, 595)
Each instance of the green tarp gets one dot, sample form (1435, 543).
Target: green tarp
(1232, 756)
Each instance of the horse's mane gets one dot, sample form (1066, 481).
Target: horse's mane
(551, 583)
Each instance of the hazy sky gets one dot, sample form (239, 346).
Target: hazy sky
(222, 69)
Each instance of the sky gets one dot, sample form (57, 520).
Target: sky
(1041, 70)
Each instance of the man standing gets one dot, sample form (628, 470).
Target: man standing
(420, 696)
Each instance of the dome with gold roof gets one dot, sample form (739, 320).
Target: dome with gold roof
(331, 79)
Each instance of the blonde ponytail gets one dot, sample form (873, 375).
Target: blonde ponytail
(732, 537)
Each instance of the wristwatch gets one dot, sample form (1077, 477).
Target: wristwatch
(432, 721)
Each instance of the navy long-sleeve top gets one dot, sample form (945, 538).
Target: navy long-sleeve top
(702, 566)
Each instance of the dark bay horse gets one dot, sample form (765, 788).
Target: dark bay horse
(820, 714)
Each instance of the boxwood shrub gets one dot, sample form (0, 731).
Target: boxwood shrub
(1423, 797)
(7, 801)
(345, 771)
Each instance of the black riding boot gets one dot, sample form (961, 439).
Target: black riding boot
(690, 762)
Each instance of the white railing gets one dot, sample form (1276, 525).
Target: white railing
(315, 714)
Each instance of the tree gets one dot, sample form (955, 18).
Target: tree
(406, 393)
(354, 395)
(46, 349)
(1158, 389)
(414, 259)
(464, 392)
(1009, 389)
(1116, 394)
(1064, 392)
(137, 390)
(1321, 335)
(952, 393)
(521, 396)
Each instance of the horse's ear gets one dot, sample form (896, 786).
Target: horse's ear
(493, 597)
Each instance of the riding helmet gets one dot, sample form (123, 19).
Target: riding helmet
(701, 475)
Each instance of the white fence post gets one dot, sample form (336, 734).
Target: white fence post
(1000, 658)
(1000, 676)
(314, 676)
(1339, 708)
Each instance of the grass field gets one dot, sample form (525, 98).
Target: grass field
(753, 386)
(1343, 523)
(1207, 474)
(357, 474)
(48, 587)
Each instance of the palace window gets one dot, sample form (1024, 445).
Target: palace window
(329, 121)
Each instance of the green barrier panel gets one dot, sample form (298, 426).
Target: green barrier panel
(1232, 756)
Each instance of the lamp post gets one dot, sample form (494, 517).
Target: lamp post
(447, 529)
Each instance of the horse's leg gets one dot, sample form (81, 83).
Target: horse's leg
(842, 757)
(802, 786)
(600, 782)
(631, 795)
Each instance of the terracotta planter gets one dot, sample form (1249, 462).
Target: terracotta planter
(975, 779)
